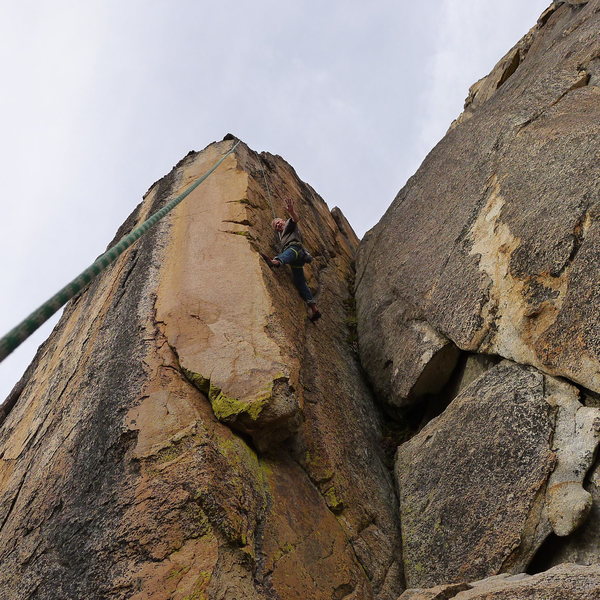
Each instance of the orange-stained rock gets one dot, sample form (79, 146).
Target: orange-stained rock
(186, 432)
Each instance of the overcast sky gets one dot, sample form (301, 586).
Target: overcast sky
(101, 98)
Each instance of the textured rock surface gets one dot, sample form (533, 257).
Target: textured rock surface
(583, 546)
(493, 245)
(186, 432)
(576, 437)
(492, 248)
(479, 486)
(566, 582)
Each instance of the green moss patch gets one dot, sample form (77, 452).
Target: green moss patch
(334, 502)
(200, 587)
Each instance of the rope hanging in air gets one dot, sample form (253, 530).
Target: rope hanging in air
(16, 336)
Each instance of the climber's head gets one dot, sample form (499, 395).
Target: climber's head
(278, 224)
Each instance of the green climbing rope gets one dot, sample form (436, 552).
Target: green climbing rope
(16, 336)
(267, 186)
(277, 234)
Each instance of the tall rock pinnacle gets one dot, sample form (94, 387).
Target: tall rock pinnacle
(186, 431)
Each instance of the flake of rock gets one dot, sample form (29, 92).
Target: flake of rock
(405, 373)
(565, 582)
(439, 592)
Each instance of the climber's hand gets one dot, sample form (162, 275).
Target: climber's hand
(290, 207)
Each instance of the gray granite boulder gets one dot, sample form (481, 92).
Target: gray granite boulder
(485, 483)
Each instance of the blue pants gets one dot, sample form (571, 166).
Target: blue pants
(294, 256)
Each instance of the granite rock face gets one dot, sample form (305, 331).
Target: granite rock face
(186, 432)
(492, 250)
(482, 485)
(493, 245)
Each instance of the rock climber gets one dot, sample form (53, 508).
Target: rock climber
(294, 254)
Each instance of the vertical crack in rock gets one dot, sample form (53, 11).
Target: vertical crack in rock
(580, 230)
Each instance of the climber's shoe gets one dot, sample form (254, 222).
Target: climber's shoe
(315, 316)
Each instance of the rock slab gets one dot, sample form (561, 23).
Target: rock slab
(566, 582)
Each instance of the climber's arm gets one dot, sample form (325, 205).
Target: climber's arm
(289, 206)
